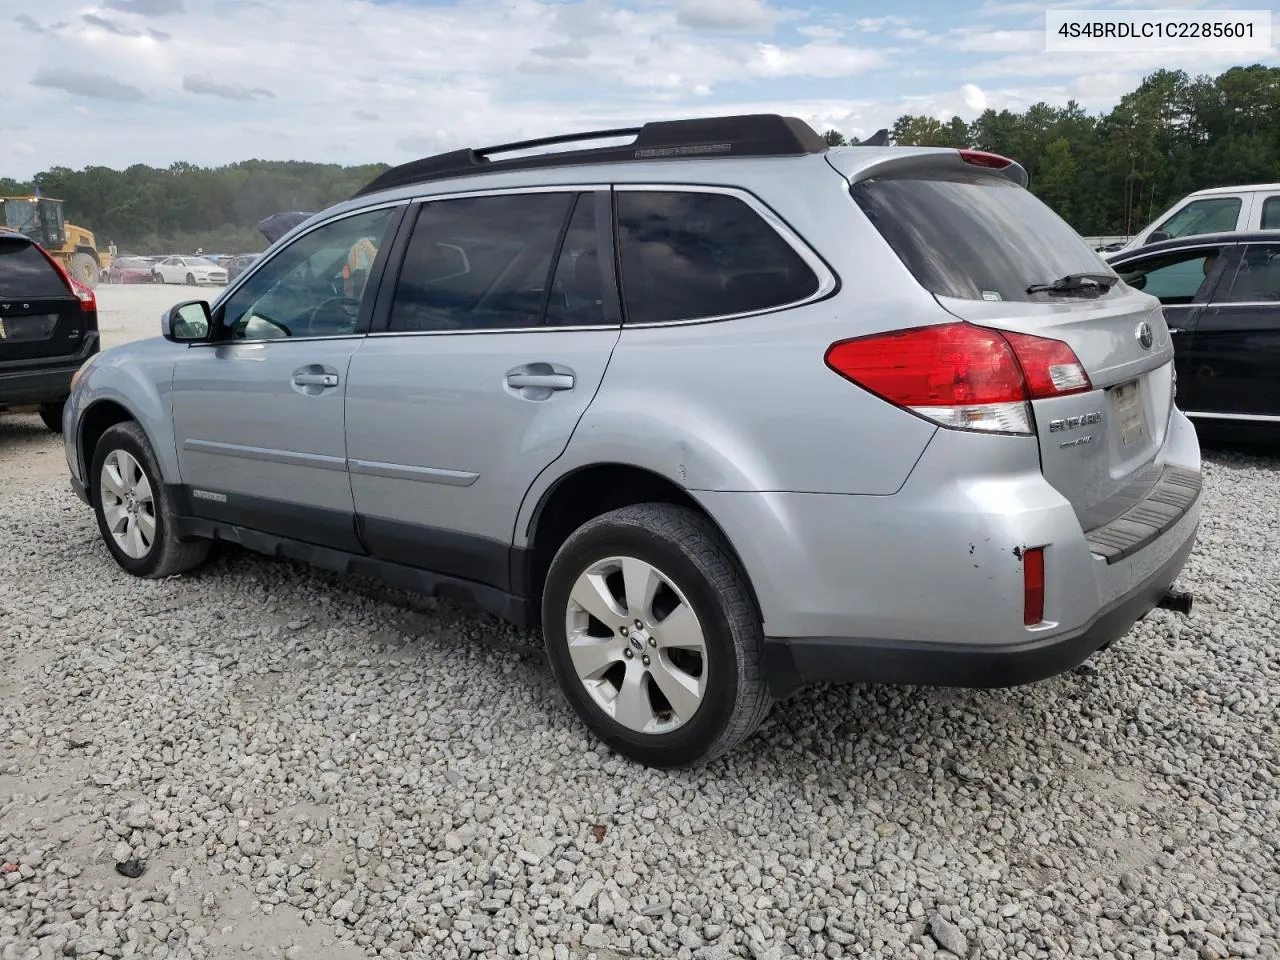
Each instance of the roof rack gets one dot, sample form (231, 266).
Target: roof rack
(749, 135)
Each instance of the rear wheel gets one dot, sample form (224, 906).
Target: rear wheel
(85, 269)
(51, 414)
(136, 518)
(653, 636)
(156, 278)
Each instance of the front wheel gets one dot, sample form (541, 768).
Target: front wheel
(157, 278)
(191, 280)
(653, 636)
(136, 517)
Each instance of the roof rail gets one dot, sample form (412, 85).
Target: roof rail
(750, 135)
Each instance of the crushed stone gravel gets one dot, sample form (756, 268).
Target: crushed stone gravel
(307, 767)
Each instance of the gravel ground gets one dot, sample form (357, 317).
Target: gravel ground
(307, 767)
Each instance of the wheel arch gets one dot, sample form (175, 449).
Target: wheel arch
(586, 492)
(96, 420)
(90, 252)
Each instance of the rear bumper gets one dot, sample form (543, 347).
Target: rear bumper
(792, 662)
(42, 381)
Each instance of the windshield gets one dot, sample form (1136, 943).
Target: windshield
(199, 262)
(976, 237)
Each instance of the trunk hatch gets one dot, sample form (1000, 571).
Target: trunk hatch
(979, 241)
(40, 318)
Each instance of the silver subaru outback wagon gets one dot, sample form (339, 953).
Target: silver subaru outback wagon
(723, 410)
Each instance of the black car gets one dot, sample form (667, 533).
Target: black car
(1221, 297)
(48, 328)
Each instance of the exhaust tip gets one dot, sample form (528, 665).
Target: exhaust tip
(1179, 601)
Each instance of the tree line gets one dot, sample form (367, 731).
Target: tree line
(1106, 174)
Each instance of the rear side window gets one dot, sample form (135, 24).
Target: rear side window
(975, 238)
(690, 256)
(1271, 213)
(24, 272)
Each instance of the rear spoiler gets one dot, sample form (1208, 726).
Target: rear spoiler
(923, 160)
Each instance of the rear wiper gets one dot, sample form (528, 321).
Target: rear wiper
(1076, 281)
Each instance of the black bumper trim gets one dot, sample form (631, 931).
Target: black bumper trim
(790, 663)
(1165, 504)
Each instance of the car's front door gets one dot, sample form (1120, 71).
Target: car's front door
(502, 323)
(258, 413)
(1236, 344)
(1183, 281)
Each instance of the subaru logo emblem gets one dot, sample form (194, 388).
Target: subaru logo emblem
(637, 643)
(1144, 335)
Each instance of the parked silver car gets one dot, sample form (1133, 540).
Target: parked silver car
(724, 410)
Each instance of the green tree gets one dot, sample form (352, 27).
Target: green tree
(835, 138)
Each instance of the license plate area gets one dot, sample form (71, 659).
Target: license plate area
(1128, 413)
(28, 328)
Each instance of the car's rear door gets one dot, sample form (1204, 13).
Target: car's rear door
(499, 328)
(41, 319)
(1236, 343)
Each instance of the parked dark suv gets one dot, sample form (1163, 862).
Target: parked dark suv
(48, 328)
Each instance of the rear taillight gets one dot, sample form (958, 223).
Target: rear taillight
(1032, 586)
(88, 301)
(960, 375)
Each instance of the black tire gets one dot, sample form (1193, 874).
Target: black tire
(191, 280)
(167, 554)
(51, 414)
(156, 278)
(694, 555)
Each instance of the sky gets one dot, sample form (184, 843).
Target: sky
(118, 82)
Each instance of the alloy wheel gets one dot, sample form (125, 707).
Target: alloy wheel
(128, 504)
(637, 645)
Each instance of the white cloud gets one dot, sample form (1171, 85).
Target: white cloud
(820, 32)
(23, 149)
(998, 41)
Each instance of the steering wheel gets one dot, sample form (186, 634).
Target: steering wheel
(336, 315)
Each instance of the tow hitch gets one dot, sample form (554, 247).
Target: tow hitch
(1179, 601)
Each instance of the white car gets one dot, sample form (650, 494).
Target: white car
(188, 270)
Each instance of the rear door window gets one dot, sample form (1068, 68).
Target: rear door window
(25, 272)
(1210, 215)
(479, 263)
(691, 256)
(976, 237)
(1257, 279)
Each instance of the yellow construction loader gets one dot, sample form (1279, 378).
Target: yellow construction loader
(41, 219)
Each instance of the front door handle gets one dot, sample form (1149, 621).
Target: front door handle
(315, 379)
(551, 381)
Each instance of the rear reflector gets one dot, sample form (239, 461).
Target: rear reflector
(960, 375)
(1033, 586)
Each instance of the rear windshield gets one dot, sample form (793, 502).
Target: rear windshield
(975, 238)
(24, 272)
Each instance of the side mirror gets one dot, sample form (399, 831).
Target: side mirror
(1158, 235)
(189, 322)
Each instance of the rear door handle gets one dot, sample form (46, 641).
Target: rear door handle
(315, 379)
(552, 381)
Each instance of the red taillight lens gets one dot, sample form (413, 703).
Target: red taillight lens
(1033, 586)
(948, 365)
(1050, 366)
(981, 158)
(88, 302)
(961, 375)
